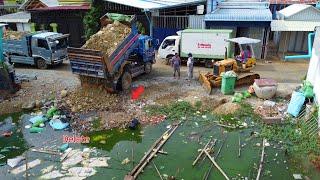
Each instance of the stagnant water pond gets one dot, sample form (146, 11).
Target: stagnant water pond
(182, 148)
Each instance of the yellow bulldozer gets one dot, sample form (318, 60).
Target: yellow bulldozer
(242, 66)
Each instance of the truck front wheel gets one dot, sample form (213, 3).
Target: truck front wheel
(41, 64)
(148, 68)
(126, 81)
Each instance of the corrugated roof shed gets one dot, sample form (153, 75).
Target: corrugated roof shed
(19, 17)
(155, 4)
(293, 1)
(239, 15)
(282, 25)
(293, 9)
(240, 11)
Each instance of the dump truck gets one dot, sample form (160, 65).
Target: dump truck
(133, 56)
(39, 48)
(7, 74)
(205, 45)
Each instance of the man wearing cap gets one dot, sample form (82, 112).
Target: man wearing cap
(190, 66)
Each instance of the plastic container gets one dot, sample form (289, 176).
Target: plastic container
(266, 92)
(227, 85)
(296, 103)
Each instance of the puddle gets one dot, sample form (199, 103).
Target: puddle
(15, 143)
(106, 140)
(182, 149)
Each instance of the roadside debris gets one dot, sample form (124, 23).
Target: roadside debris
(52, 175)
(15, 161)
(23, 168)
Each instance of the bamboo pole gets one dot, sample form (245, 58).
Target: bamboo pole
(216, 165)
(201, 153)
(239, 154)
(157, 170)
(151, 153)
(261, 160)
(217, 155)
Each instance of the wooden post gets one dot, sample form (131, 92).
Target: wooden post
(261, 160)
(216, 165)
(200, 154)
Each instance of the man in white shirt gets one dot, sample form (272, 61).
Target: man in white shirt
(190, 66)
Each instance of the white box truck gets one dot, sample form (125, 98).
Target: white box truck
(205, 45)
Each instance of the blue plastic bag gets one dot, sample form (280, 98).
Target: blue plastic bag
(296, 103)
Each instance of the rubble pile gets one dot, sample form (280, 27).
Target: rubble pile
(108, 38)
(14, 35)
(277, 110)
(91, 100)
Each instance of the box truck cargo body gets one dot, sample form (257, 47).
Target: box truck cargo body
(204, 45)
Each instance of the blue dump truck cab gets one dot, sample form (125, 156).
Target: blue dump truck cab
(132, 57)
(40, 49)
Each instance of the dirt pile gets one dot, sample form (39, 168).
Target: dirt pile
(86, 100)
(108, 38)
(13, 35)
(227, 108)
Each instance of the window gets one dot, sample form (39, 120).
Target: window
(43, 44)
(168, 42)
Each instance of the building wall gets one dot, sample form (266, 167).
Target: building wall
(23, 27)
(196, 22)
(293, 42)
(69, 22)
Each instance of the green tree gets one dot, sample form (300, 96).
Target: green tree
(91, 20)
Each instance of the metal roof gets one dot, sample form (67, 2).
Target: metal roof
(19, 17)
(239, 15)
(155, 4)
(48, 3)
(293, 1)
(64, 7)
(243, 40)
(282, 25)
(45, 34)
(294, 9)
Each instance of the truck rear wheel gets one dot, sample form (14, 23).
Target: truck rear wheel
(41, 64)
(148, 68)
(208, 64)
(126, 81)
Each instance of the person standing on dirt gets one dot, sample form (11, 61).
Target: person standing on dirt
(176, 63)
(190, 66)
(9, 68)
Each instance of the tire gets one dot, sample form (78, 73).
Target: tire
(208, 64)
(41, 64)
(148, 68)
(126, 81)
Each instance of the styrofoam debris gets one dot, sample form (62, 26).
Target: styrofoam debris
(15, 161)
(99, 162)
(22, 168)
(52, 175)
(74, 157)
(82, 171)
(297, 176)
(47, 169)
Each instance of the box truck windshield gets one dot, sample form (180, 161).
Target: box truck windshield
(168, 42)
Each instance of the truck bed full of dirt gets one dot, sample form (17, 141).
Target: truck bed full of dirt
(13, 35)
(108, 38)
